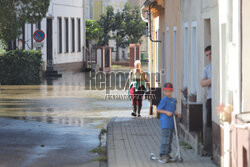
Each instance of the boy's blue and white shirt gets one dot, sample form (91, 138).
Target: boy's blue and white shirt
(167, 104)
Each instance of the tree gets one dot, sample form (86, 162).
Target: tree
(129, 27)
(135, 26)
(93, 30)
(106, 22)
(15, 13)
(120, 32)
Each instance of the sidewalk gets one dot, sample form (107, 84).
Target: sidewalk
(130, 142)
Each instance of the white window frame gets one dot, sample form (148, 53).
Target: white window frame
(194, 59)
(186, 56)
(168, 54)
(157, 51)
(175, 66)
(163, 58)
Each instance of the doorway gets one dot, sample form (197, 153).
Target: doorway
(207, 131)
(49, 44)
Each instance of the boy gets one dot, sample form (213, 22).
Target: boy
(166, 109)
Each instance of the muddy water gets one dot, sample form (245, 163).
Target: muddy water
(55, 123)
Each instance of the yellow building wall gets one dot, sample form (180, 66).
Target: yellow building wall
(97, 9)
(170, 17)
(152, 54)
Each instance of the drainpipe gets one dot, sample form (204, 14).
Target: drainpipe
(150, 31)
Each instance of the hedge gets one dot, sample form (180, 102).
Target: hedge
(20, 67)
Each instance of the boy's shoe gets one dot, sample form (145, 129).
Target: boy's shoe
(139, 115)
(169, 157)
(163, 159)
(133, 114)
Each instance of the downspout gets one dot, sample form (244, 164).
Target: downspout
(150, 31)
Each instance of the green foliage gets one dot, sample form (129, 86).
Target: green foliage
(15, 13)
(93, 30)
(20, 67)
(120, 28)
(102, 151)
(135, 26)
(127, 25)
(101, 158)
(106, 22)
(185, 145)
(99, 150)
(103, 131)
(2, 51)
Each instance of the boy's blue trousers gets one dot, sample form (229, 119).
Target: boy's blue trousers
(166, 141)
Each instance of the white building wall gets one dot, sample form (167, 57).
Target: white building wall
(191, 21)
(63, 9)
(112, 44)
(201, 11)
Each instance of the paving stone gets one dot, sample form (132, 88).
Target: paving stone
(130, 142)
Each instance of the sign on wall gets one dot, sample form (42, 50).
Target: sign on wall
(39, 35)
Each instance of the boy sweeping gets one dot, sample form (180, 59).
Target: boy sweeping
(166, 109)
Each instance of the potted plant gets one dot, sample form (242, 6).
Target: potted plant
(184, 92)
(225, 112)
(192, 98)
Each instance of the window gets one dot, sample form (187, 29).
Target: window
(163, 58)
(194, 59)
(185, 58)
(66, 35)
(168, 57)
(156, 51)
(73, 35)
(175, 78)
(23, 36)
(59, 23)
(123, 54)
(158, 57)
(79, 35)
(38, 25)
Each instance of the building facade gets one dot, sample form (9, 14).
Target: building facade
(185, 28)
(98, 7)
(64, 28)
(199, 29)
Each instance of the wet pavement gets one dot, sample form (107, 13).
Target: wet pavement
(56, 123)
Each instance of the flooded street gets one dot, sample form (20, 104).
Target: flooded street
(56, 123)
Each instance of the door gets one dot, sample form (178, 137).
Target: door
(107, 57)
(49, 44)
